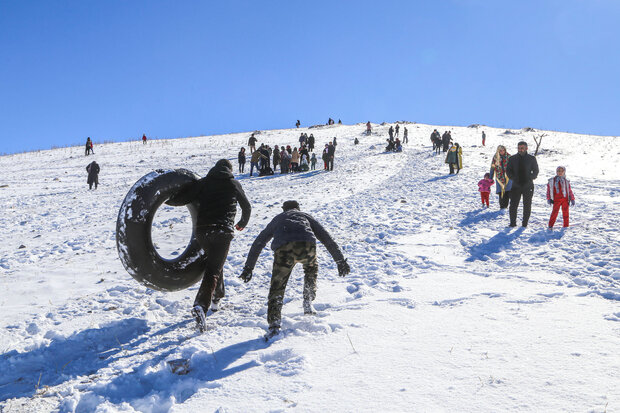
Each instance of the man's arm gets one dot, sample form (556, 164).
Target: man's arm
(246, 208)
(509, 168)
(326, 239)
(186, 194)
(534, 173)
(259, 243)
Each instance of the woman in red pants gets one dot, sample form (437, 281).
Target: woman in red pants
(559, 194)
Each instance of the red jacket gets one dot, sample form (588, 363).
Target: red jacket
(558, 191)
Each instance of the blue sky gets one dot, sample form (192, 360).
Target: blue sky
(113, 70)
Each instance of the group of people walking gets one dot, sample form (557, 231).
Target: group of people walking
(294, 235)
(514, 180)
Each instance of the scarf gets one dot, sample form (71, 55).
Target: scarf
(560, 183)
(499, 165)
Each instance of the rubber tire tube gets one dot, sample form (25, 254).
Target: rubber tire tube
(133, 233)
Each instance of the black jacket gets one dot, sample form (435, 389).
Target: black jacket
(93, 172)
(217, 195)
(241, 157)
(290, 226)
(522, 170)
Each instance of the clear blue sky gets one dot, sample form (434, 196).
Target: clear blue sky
(113, 70)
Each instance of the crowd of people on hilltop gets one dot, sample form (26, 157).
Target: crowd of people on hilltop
(287, 158)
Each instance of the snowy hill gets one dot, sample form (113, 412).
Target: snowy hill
(445, 309)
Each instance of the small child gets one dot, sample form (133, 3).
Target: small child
(484, 186)
(559, 194)
(313, 161)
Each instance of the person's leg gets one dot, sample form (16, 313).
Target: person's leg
(515, 198)
(554, 213)
(283, 263)
(307, 256)
(528, 194)
(565, 212)
(96, 182)
(486, 198)
(482, 197)
(215, 245)
(504, 200)
(451, 168)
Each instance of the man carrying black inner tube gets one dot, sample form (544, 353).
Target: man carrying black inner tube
(217, 195)
(294, 236)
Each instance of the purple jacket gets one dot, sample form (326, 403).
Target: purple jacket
(484, 185)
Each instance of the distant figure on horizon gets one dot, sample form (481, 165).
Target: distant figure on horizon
(93, 175)
(298, 124)
(368, 128)
(484, 138)
(396, 129)
(143, 139)
(405, 135)
(89, 147)
(252, 143)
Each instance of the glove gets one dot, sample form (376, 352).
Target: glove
(550, 201)
(246, 274)
(343, 268)
(572, 202)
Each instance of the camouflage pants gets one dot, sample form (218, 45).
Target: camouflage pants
(284, 259)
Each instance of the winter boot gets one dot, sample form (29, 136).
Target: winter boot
(309, 308)
(274, 330)
(215, 305)
(199, 315)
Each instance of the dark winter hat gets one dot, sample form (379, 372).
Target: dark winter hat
(224, 163)
(290, 205)
(522, 143)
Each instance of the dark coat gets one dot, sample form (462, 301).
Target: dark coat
(93, 172)
(217, 195)
(291, 226)
(331, 150)
(241, 157)
(522, 170)
(252, 141)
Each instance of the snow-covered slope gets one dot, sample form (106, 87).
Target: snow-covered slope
(446, 309)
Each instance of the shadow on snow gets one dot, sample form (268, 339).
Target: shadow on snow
(160, 385)
(474, 217)
(493, 245)
(80, 354)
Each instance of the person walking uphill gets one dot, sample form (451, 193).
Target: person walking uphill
(294, 236)
(522, 169)
(93, 174)
(217, 194)
(454, 158)
(559, 194)
(89, 147)
(503, 184)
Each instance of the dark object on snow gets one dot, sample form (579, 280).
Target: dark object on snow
(133, 233)
(21, 247)
(93, 175)
(179, 366)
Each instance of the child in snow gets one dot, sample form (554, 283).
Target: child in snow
(313, 161)
(484, 186)
(559, 194)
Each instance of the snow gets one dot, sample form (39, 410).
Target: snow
(445, 309)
